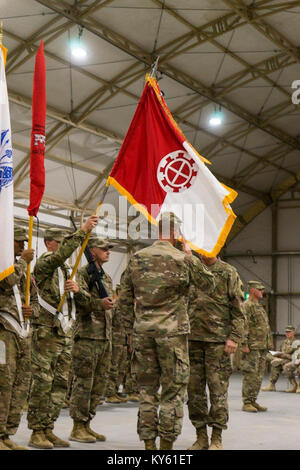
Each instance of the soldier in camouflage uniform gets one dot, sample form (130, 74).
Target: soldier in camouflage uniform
(217, 324)
(280, 359)
(129, 381)
(256, 343)
(119, 354)
(154, 298)
(91, 352)
(292, 368)
(15, 342)
(51, 340)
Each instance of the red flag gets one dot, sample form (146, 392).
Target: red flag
(158, 170)
(38, 135)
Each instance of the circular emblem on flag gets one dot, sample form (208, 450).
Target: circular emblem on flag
(176, 171)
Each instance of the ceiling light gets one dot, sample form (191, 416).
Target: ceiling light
(77, 48)
(216, 118)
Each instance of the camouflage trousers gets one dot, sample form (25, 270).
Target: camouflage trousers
(210, 366)
(253, 368)
(14, 380)
(161, 361)
(117, 368)
(277, 366)
(291, 370)
(50, 359)
(130, 381)
(90, 364)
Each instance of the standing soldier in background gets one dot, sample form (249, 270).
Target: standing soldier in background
(91, 352)
(217, 324)
(154, 298)
(280, 359)
(15, 342)
(256, 343)
(51, 340)
(119, 354)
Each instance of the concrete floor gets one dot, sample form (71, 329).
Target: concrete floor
(277, 429)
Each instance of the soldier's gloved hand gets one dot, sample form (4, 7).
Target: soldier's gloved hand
(71, 286)
(27, 311)
(230, 346)
(107, 303)
(245, 350)
(90, 223)
(27, 255)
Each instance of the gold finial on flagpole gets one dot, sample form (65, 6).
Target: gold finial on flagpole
(1, 31)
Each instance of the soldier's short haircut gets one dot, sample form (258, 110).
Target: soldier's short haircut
(166, 228)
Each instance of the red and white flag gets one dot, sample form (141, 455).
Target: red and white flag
(38, 134)
(158, 170)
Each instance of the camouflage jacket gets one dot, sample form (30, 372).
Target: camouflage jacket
(92, 321)
(257, 329)
(118, 328)
(219, 316)
(155, 290)
(286, 347)
(46, 276)
(7, 297)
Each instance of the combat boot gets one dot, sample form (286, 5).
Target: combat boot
(165, 444)
(99, 437)
(216, 439)
(202, 440)
(259, 407)
(293, 388)
(2, 445)
(12, 445)
(123, 397)
(269, 388)
(249, 407)
(113, 399)
(150, 444)
(80, 434)
(39, 440)
(133, 397)
(56, 441)
(298, 388)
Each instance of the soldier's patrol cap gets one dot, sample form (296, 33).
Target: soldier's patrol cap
(56, 234)
(96, 242)
(170, 217)
(20, 234)
(289, 328)
(255, 285)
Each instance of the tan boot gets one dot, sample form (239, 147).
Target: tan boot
(298, 388)
(165, 445)
(39, 440)
(202, 440)
(249, 407)
(56, 441)
(99, 437)
(293, 388)
(2, 445)
(80, 434)
(259, 407)
(133, 397)
(216, 439)
(150, 444)
(113, 399)
(12, 445)
(269, 388)
(123, 397)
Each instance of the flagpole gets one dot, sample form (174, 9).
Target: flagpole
(30, 230)
(83, 246)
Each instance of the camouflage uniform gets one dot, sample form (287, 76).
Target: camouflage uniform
(292, 368)
(259, 340)
(130, 380)
(14, 350)
(119, 353)
(158, 279)
(277, 364)
(216, 318)
(51, 346)
(91, 352)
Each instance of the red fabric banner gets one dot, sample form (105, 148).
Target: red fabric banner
(38, 135)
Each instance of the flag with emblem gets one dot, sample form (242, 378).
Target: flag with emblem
(6, 178)
(158, 170)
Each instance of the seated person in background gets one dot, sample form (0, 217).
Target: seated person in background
(292, 368)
